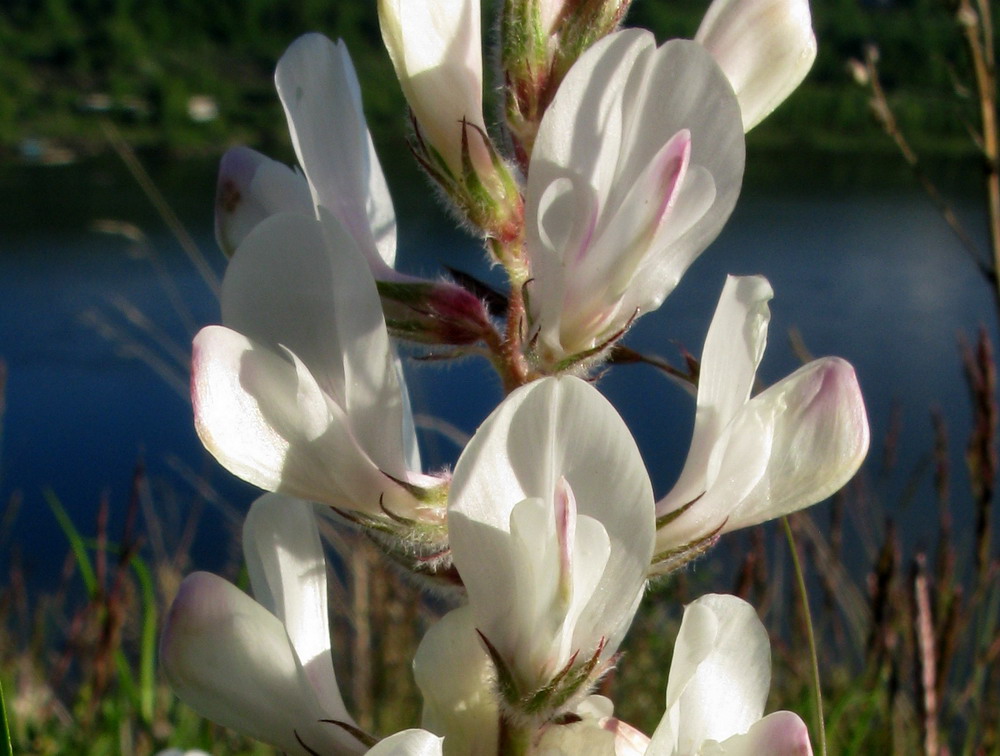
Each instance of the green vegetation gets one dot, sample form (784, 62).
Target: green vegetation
(66, 63)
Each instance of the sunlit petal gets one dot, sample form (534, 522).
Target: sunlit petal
(547, 431)
(719, 676)
(322, 100)
(231, 660)
(819, 429)
(645, 146)
(435, 47)
(779, 734)
(766, 48)
(287, 570)
(286, 288)
(408, 743)
(265, 418)
(733, 349)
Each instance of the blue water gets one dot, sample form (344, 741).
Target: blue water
(869, 273)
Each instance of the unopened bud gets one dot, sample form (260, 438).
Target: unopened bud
(438, 312)
(966, 17)
(858, 72)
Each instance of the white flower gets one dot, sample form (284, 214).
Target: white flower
(299, 391)
(550, 523)
(436, 49)
(719, 679)
(343, 178)
(636, 167)
(766, 48)
(263, 669)
(752, 460)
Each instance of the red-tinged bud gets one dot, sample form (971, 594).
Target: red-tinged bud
(434, 312)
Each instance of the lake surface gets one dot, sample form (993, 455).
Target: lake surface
(863, 270)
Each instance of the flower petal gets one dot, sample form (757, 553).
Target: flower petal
(303, 285)
(550, 429)
(263, 415)
(408, 743)
(608, 130)
(230, 659)
(719, 676)
(779, 734)
(819, 428)
(435, 47)
(322, 99)
(455, 677)
(287, 569)
(766, 48)
(733, 349)
(250, 188)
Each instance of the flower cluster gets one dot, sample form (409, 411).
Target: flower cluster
(615, 164)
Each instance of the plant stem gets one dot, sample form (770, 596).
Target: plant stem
(512, 740)
(8, 749)
(810, 634)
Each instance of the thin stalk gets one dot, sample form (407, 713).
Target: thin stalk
(163, 207)
(810, 634)
(979, 34)
(8, 749)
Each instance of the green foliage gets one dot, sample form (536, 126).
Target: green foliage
(148, 58)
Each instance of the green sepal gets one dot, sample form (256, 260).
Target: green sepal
(673, 559)
(669, 517)
(366, 739)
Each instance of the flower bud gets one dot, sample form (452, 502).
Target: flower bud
(435, 48)
(438, 312)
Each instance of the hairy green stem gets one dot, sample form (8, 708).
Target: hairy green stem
(810, 635)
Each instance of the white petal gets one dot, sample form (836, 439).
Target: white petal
(265, 418)
(733, 349)
(287, 569)
(302, 284)
(719, 676)
(250, 188)
(230, 660)
(735, 467)
(408, 743)
(455, 677)
(766, 48)
(816, 418)
(678, 87)
(779, 734)
(435, 46)
(616, 110)
(322, 99)
(551, 429)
